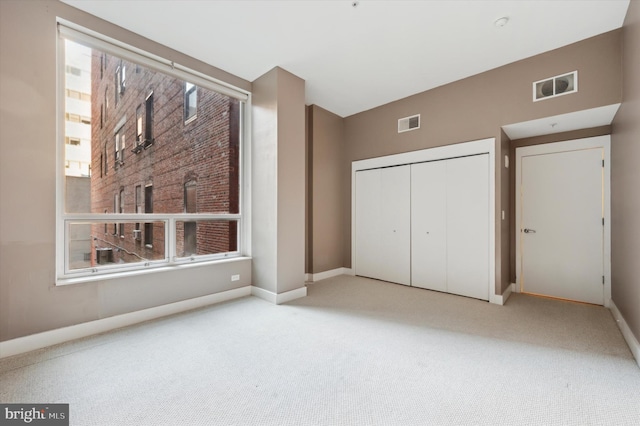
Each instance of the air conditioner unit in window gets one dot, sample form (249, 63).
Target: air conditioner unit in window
(137, 234)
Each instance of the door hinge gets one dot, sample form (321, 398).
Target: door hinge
(602, 163)
(603, 221)
(603, 279)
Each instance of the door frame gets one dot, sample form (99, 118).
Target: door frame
(603, 142)
(482, 146)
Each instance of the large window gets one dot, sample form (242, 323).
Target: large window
(177, 197)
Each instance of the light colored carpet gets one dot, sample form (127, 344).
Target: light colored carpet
(354, 352)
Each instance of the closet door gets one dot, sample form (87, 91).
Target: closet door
(368, 223)
(468, 226)
(395, 217)
(383, 223)
(429, 225)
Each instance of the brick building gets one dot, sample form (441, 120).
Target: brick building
(160, 145)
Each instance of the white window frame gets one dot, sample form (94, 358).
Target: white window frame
(64, 274)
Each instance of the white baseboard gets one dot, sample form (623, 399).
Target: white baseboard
(53, 337)
(501, 299)
(626, 332)
(330, 274)
(278, 298)
(308, 278)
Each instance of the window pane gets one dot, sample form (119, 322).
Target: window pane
(92, 245)
(150, 115)
(206, 237)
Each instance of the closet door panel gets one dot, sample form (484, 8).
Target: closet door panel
(468, 226)
(429, 226)
(395, 203)
(368, 223)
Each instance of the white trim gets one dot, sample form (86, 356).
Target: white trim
(278, 298)
(603, 142)
(626, 332)
(53, 337)
(501, 299)
(482, 146)
(308, 278)
(329, 274)
(94, 39)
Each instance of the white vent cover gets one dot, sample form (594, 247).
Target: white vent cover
(409, 123)
(555, 86)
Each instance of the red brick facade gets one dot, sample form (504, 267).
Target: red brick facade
(161, 157)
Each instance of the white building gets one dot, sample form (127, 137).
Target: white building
(78, 110)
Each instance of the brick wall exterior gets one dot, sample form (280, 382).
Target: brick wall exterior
(204, 150)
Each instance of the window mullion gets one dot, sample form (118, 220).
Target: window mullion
(170, 239)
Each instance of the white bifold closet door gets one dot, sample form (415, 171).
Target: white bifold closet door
(382, 220)
(450, 226)
(429, 225)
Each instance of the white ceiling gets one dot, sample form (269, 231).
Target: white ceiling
(357, 58)
(594, 117)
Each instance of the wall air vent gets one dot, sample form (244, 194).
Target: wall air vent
(409, 123)
(555, 86)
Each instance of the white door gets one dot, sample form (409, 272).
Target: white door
(450, 226)
(562, 234)
(367, 223)
(383, 224)
(468, 226)
(429, 225)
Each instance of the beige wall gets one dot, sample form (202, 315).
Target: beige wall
(291, 172)
(326, 146)
(625, 180)
(29, 300)
(278, 182)
(476, 108)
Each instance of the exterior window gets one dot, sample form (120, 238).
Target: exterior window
(119, 147)
(137, 231)
(172, 215)
(121, 225)
(120, 81)
(106, 103)
(148, 121)
(106, 160)
(190, 240)
(72, 141)
(139, 140)
(190, 101)
(139, 124)
(148, 208)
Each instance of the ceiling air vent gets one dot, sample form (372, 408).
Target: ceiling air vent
(409, 123)
(555, 86)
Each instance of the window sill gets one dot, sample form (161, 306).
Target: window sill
(126, 274)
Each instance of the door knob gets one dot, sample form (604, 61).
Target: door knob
(529, 231)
